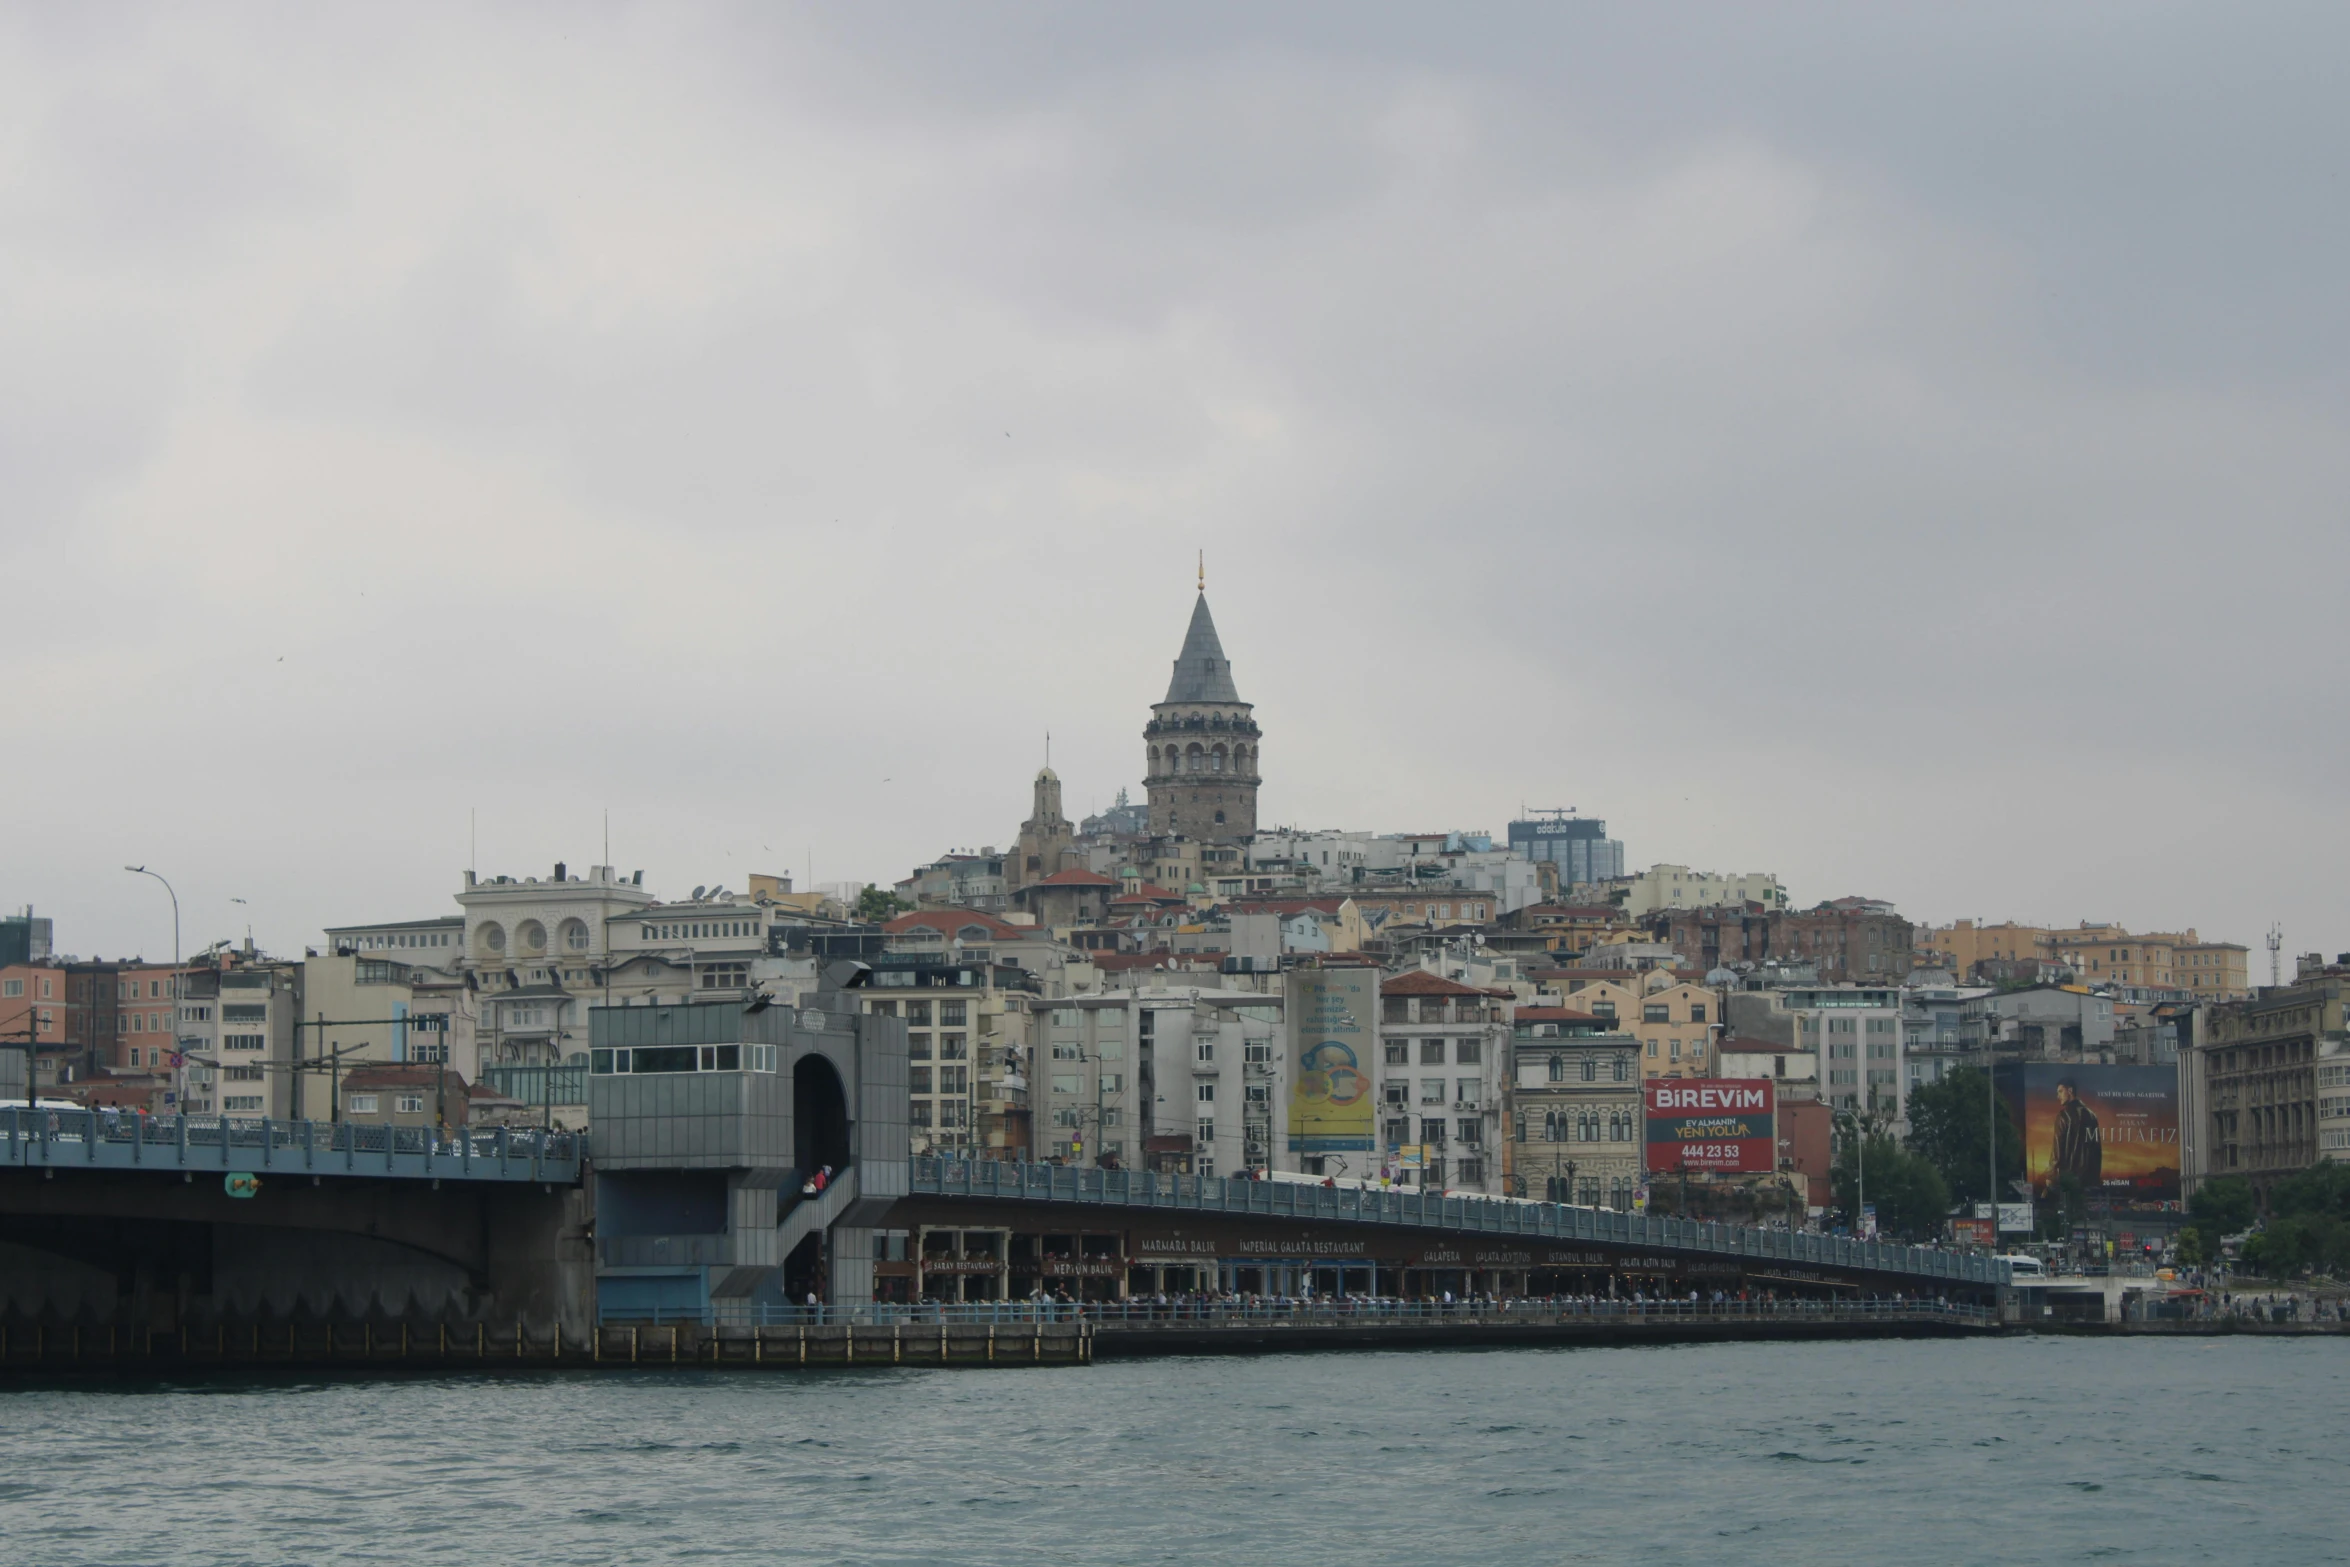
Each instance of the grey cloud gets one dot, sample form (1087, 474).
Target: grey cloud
(1828, 443)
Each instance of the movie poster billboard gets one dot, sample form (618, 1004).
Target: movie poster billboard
(2115, 1127)
(1332, 1019)
(1710, 1123)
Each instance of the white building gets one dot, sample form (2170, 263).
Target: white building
(1679, 887)
(1440, 1080)
(1857, 1033)
(1165, 1076)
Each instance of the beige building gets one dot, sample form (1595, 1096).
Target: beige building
(1678, 887)
(2213, 970)
(2101, 954)
(1675, 1021)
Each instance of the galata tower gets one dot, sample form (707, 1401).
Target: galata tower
(1200, 751)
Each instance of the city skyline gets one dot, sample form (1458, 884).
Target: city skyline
(768, 428)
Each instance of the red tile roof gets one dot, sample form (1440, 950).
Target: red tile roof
(1419, 982)
(947, 921)
(1553, 1015)
(1075, 878)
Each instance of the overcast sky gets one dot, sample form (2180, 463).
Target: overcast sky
(1900, 448)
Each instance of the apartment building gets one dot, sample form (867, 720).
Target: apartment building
(1678, 887)
(1674, 1021)
(1575, 1117)
(1441, 1079)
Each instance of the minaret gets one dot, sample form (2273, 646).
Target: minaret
(1200, 747)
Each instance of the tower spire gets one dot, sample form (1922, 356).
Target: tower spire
(1203, 571)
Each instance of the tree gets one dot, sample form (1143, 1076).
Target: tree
(2322, 1190)
(875, 906)
(1906, 1190)
(1951, 1124)
(2222, 1207)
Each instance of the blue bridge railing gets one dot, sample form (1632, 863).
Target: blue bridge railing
(1497, 1217)
(115, 1140)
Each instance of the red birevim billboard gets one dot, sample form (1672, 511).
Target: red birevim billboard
(1710, 1123)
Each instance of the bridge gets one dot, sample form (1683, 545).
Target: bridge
(1358, 1239)
(146, 1223)
(44, 1138)
(696, 1200)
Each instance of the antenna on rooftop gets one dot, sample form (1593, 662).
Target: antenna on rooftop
(2276, 955)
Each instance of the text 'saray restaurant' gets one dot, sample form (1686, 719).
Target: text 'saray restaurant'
(1711, 1123)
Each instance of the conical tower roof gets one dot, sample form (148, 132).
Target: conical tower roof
(1202, 673)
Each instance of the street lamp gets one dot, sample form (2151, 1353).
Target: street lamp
(179, 1081)
(1860, 1162)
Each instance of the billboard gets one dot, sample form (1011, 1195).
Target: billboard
(2115, 1127)
(1331, 1015)
(1710, 1123)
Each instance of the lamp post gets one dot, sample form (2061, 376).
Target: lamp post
(1860, 1163)
(179, 1071)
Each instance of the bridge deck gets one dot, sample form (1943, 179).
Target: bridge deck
(96, 1140)
(1498, 1217)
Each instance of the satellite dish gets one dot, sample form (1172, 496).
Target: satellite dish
(698, 891)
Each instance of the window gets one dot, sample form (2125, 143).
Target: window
(1623, 1069)
(1697, 1015)
(1206, 1051)
(922, 1112)
(1657, 1012)
(241, 1074)
(918, 1047)
(1466, 1052)
(1464, 1092)
(954, 1079)
(918, 1013)
(1650, 1050)
(1604, 1009)
(1431, 1090)
(1432, 1052)
(363, 1104)
(1067, 1083)
(242, 1012)
(1432, 1129)
(951, 1047)
(918, 1080)
(1258, 1093)
(1207, 1093)
(1206, 1134)
(726, 976)
(409, 1104)
(1399, 1052)
(1398, 1091)
(1558, 1069)
(13, 987)
(1591, 1069)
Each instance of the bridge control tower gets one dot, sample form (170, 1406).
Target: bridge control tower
(709, 1119)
